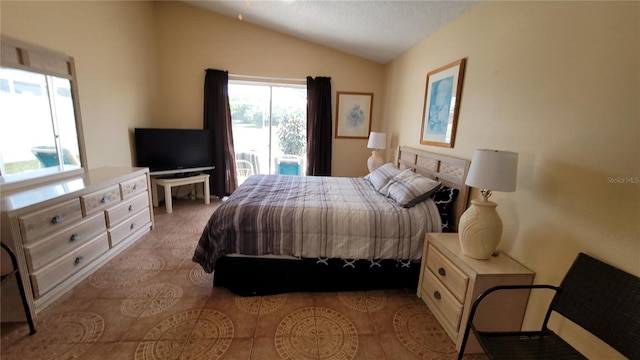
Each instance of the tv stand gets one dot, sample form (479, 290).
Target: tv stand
(172, 173)
(168, 183)
(187, 174)
(180, 175)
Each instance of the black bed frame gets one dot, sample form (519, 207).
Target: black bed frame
(257, 276)
(267, 276)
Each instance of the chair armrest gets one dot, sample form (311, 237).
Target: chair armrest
(12, 255)
(478, 300)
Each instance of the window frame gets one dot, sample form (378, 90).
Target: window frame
(20, 55)
(270, 83)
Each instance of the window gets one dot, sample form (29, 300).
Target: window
(4, 85)
(23, 87)
(39, 116)
(269, 128)
(46, 117)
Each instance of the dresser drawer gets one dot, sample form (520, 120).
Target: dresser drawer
(51, 275)
(133, 187)
(100, 199)
(127, 208)
(49, 220)
(443, 300)
(454, 279)
(48, 250)
(128, 227)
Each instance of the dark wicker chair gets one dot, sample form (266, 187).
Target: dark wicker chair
(15, 272)
(598, 297)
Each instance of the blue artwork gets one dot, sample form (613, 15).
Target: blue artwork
(355, 117)
(440, 106)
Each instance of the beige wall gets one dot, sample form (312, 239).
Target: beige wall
(142, 64)
(558, 83)
(192, 40)
(114, 49)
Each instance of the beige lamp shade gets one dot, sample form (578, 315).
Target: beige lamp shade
(377, 140)
(493, 170)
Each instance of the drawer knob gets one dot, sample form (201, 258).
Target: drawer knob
(57, 219)
(104, 200)
(436, 294)
(74, 237)
(131, 208)
(79, 259)
(442, 272)
(135, 186)
(133, 226)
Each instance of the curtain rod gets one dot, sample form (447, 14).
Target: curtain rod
(268, 78)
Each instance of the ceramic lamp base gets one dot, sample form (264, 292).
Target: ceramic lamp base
(480, 230)
(374, 161)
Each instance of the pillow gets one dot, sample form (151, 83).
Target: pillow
(409, 188)
(381, 176)
(444, 199)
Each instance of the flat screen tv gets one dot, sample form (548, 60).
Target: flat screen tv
(173, 151)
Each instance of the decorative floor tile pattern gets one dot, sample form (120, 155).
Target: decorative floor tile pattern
(183, 332)
(66, 335)
(303, 330)
(153, 303)
(199, 277)
(260, 305)
(151, 300)
(419, 331)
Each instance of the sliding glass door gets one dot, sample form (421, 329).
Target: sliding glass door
(269, 128)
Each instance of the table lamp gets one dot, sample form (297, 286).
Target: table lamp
(377, 141)
(480, 227)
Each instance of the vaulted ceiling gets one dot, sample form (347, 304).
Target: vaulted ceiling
(375, 30)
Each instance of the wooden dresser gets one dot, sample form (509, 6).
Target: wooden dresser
(450, 282)
(65, 230)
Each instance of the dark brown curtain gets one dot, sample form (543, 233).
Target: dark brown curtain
(319, 126)
(217, 116)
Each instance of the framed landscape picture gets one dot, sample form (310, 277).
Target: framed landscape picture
(353, 115)
(441, 105)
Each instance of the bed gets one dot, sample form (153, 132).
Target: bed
(279, 233)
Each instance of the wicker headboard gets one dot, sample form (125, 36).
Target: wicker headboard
(451, 172)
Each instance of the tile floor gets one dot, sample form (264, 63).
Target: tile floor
(152, 302)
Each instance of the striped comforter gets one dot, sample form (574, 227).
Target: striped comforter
(314, 217)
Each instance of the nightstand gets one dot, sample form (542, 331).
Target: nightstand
(450, 282)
